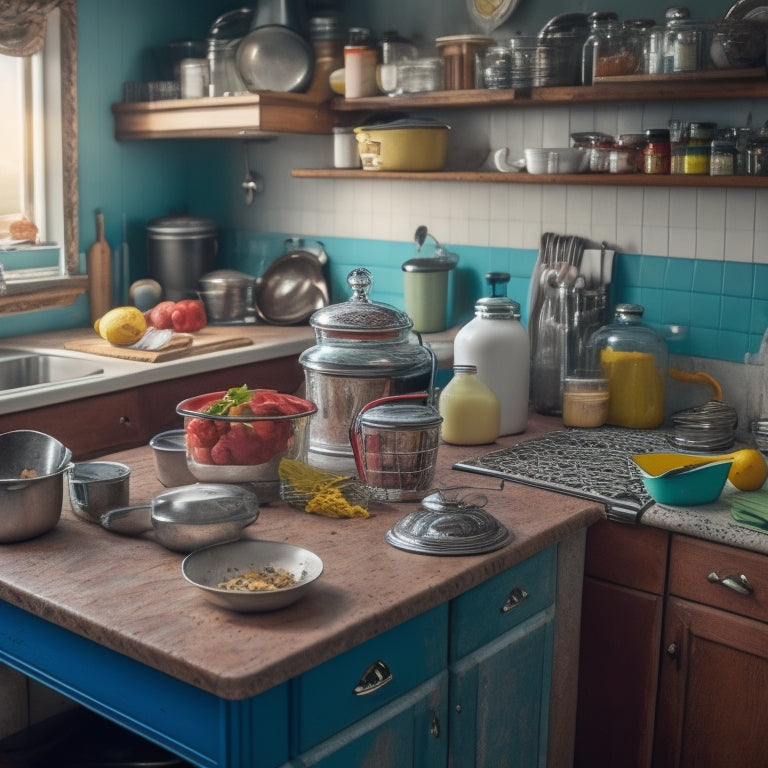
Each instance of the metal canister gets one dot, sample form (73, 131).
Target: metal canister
(180, 250)
(365, 350)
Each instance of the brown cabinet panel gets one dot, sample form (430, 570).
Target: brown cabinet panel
(713, 692)
(618, 671)
(691, 562)
(632, 555)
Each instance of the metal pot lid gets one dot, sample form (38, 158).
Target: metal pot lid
(443, 526)
(404, 122)
(224, 277)
(359, 317)
(351, 359)
(176, 226)
(401, 416)
(429, 264)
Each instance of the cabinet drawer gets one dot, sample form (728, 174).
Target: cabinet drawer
(503, 602)
(332, 696)
(693, 560)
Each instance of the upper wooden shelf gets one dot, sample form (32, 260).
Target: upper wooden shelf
(255, 115)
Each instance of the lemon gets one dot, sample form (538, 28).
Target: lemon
(121, 325)
(336, 81)
(749, 470)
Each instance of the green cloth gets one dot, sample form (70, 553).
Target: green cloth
(750, 508)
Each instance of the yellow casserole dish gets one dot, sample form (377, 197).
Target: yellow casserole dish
(403, 145)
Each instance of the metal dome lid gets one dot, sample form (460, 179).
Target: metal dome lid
(359, 317)
(449, 526)
(497, 308)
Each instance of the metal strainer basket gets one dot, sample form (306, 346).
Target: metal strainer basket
(395, 442)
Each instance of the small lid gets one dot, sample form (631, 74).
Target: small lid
(404, 122)
(172, 440)
(582, 384)
(629, 312)
(360, 315)
(657, 134)
(497, 308)
(181, 225)
(401, 416)
(449, 526)
(99, 471)
(429, 264)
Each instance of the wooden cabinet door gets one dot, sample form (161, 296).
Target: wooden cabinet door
(499, 702)
(713, 693)
(410, 732)
(618, 671)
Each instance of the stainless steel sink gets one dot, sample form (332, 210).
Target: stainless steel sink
(19, 368)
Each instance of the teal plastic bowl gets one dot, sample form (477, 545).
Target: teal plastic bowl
(701, 484)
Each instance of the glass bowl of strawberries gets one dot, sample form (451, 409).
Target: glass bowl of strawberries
(240, 435)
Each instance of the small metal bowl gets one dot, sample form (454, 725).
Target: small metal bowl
(209, 567)
(170, 453)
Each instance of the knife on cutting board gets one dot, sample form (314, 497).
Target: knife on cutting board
(98, 263)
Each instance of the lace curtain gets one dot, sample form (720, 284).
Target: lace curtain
(22, 25)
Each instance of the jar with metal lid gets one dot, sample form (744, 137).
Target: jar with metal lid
(722, 155)
(634, 358)
(360, 61)
(634, 142)
(497, 67)
(657, 152)
(395, 441)
(604, 27)
(681, 42)
(496, 342)
(470, 409)
(585, 401)
(697, 148)
(636, 34)
(364, 350)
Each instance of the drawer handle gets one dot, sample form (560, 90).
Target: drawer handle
(375, 677)
(738, 583)
(516, 596)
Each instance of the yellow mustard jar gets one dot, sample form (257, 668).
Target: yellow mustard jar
(634, 359)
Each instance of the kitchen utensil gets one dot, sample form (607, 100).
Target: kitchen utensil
(364, 350)
(242, 449)
(407, 144)
(98, 486)
(686, 485)
(180, 250)
(292, 287)
(32, 465)
(209, 567)
(98, 261)
(251, 184)
(395, 440)
(228, 296)
(448, 523)
(274, 58)
(189, 517)
(169, 450)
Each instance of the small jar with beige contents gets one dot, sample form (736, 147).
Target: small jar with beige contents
(585, 402)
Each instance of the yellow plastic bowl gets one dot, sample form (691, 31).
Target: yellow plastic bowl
(403, 145)
(700, 480)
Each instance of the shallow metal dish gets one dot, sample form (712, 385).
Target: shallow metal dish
(206, 568)
(291, 289)
(274, 58)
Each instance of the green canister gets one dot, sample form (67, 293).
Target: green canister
(425, 290)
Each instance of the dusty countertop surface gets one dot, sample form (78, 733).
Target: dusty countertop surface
(127, 593)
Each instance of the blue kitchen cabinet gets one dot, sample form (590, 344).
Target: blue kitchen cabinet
(488, 659)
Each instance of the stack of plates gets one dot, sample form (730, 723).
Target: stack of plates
(708, 427)
(759, 429)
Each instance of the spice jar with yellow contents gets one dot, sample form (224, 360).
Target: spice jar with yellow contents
(634, 359)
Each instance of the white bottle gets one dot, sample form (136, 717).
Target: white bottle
(496, 342)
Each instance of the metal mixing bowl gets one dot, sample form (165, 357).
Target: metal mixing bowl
(30, 506)
(209, 567)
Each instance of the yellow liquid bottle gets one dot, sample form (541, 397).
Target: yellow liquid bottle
(470, 409)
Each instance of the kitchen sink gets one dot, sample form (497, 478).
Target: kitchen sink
(19, 368)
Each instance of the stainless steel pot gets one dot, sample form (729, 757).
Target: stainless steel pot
(228, 296)
(364, 351)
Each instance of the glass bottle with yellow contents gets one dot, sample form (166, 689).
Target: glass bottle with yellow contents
(634, 358)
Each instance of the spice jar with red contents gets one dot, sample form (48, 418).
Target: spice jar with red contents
(657, 154)
(598, 146)
(601, 23)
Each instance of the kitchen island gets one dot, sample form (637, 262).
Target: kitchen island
(110, 622)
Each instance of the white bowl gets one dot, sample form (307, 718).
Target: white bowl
(555, 160)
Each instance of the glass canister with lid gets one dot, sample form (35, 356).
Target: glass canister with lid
(634, 358)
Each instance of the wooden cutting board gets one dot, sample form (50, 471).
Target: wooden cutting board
(181, 345)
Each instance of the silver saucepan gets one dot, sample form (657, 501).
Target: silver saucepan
(189, 517)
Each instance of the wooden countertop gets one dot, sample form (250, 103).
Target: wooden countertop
(128, 593)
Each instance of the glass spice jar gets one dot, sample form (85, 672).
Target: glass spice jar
(657, 152)
(722, 156)
(585, 402)
(698, 147)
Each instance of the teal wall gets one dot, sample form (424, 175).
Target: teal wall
(722, 305)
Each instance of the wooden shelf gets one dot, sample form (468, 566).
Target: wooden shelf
(670, 88)
(257, 115)
(574, 179)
